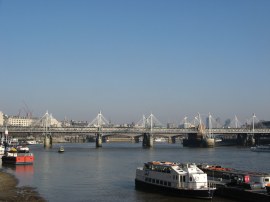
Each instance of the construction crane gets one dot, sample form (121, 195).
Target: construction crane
(27, 111)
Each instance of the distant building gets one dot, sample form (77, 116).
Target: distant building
(171, 125)
(19, 121)
(186, 125)
(1, 118)
(49, 122)
(54, 122)
(266, 124)
(78, 123)
(27, 121)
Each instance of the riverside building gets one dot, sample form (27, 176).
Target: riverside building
(1, 118)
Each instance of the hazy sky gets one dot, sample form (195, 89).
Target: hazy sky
(132, 57)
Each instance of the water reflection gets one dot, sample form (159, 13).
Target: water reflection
(29, 169)
(84, 173)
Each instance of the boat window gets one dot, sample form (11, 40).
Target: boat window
(161, 182)
(225, 176)
(173, 177)
(184, 178)
(165, 183)
(190, 179)
(181, 178)
(169, 184)
(266, 179)
(153, 181)
(157, 181)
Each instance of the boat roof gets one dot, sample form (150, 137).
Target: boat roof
(232, 170)
(178, 167)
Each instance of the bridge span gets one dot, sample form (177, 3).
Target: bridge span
(243, 134)
(132, 130)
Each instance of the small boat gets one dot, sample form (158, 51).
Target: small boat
(184, 180)
(161, 139)
(23, 149)
(20, 156)
(261, 148)
(30, 142)
(61, 149)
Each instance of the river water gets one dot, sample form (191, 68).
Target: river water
(86, 173)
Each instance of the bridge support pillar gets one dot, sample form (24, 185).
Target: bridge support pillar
(245, 139)
(148, 140)
(137, 139)
(98, 140)
(242, 139)
(257, 139)
(105, 139)
(251, 140)
(48, 141)
(171, 140)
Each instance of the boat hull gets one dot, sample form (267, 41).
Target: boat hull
(18, 160)
(209, 142)
(188, 193)
(241, 194)
(268, 189)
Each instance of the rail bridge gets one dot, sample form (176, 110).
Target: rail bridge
(148, 130)
(136, 132)
(132, 130)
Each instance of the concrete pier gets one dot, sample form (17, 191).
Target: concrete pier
(171, 140)
(245, 139)
(148, 140)
(48, 141)
(98, 140)
(137, 139)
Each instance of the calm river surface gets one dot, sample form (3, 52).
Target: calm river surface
(85, 173)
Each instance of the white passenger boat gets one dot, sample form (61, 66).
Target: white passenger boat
(261, 148)
(22, 149)
(185, 180)
(30, 142)
(160, 139)
(61, 149)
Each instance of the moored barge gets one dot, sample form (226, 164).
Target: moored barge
(237, 184)
(18, 157)
(231, 176)
(179, 179)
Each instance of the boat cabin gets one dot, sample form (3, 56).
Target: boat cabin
(174, 175)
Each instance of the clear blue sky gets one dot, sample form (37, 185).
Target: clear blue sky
(128, 58)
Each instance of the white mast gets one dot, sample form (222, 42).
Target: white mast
(6, 134)
(253, 117)
(151, 122)
(210, 125)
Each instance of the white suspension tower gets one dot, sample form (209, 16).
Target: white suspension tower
(210, 125)
(253, 120)
(151, 122)
(236, 121)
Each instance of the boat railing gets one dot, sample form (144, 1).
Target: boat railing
(19, 154)
(211, 184)
(25, 154)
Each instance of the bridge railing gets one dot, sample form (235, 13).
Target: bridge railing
(134, 130)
